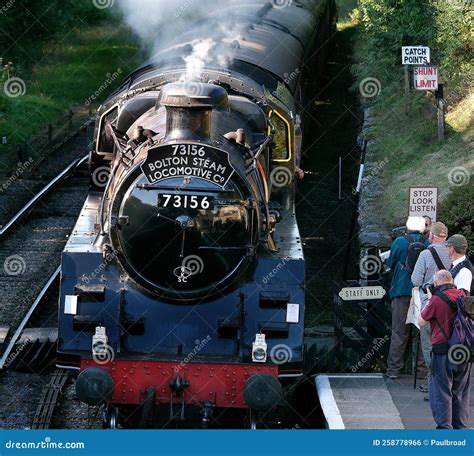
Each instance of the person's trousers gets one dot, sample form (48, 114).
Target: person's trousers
(425, 340)
(449, 386)
(400, 334)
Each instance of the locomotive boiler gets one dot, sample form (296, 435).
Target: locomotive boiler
(182, 285)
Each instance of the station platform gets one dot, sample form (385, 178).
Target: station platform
(370, 401)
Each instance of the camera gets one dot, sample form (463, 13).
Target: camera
(428, 286)
(433, 289)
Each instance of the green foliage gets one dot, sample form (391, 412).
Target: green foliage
(454, 46)
(405, 127)
(25, 21)
(387, 25)
(63, 51)
(457, 212)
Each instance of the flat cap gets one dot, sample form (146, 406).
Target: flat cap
(458, 241)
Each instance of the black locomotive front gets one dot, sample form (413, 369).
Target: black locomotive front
(184, 215)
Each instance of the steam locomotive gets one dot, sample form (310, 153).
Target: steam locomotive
(182, 284)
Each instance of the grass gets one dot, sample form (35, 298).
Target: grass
(408, 140)
(406, 137)
(66, 75)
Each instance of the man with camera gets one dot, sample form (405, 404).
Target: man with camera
(449, 380)
(431, 260)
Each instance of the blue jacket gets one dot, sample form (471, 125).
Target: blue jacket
(401, 280)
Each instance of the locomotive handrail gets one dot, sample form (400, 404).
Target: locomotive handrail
(119, 156)
(268, 139)
(26, 208)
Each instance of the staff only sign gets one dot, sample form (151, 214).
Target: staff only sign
(423, 201)
(425, 77)
(415, 55)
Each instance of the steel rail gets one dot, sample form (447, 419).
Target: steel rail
(50, 396)
(58, 146)
(64, 174)
(19, 330)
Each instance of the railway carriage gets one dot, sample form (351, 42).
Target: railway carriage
(182, 286)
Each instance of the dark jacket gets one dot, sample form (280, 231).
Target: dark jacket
(401, 279)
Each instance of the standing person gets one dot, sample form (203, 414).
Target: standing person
(449, 382)
(461, 269)
(430, 261)
(428, 223)
(403, 255)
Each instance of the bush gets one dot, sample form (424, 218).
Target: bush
(26, 23)
(453, 45)
(457, 212)
(405, 127)
(444, 26)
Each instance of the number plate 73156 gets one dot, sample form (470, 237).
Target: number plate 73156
(185, 201)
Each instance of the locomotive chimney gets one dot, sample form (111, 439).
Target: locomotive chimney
(189, 107)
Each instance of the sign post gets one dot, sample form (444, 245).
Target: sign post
(440, 108)
(423, 201)
(407, 79)
(414, 55)
(425, 77)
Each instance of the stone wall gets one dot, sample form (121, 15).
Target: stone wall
(372, 232)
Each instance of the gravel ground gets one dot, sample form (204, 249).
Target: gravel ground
(73, 414)
(28, 257)
(19, 394)
(32, 252)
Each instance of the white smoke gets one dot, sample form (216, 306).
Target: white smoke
(164, 25)
(198, 58)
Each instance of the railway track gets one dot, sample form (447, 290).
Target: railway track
(30, 247)
(64, 174)
(33, 174)
(31, 243)
(49, 399)
(10, 354)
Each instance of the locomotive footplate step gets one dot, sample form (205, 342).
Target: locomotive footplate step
(360, 401)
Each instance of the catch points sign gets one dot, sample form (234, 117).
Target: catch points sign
(362, 293)
(423, 201)
(425, 78)
(415, 55)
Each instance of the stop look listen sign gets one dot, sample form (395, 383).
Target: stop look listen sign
(423, 201)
